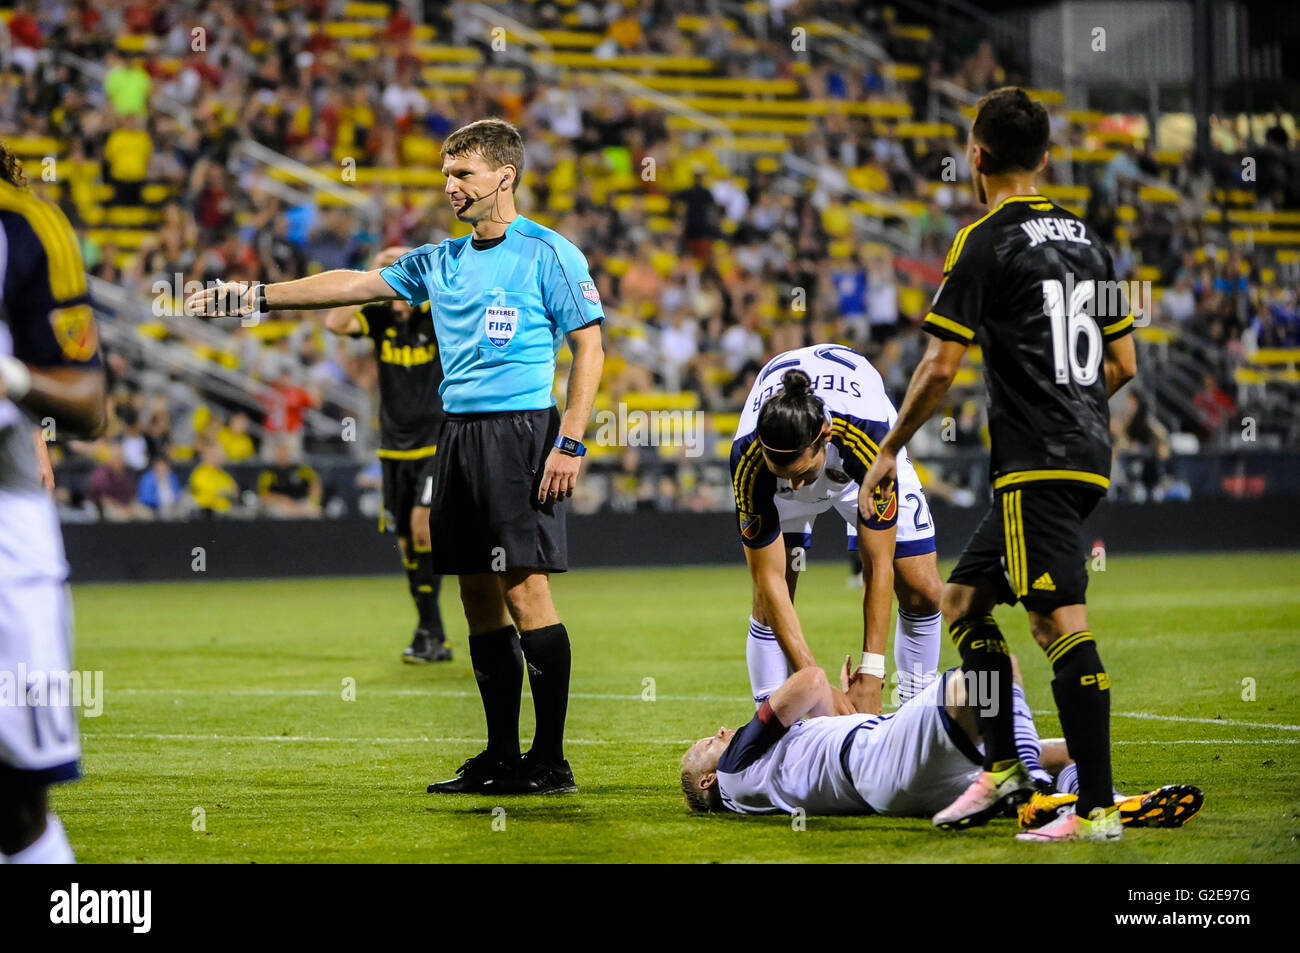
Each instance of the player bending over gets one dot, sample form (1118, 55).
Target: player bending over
(807, 436)
(795, 754)
(410, 417)
(49, 367)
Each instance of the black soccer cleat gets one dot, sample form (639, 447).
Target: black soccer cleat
(473, 776)
(426, 647)
(535, 777)
(1170, 806)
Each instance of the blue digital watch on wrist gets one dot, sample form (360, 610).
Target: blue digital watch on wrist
(574, 448)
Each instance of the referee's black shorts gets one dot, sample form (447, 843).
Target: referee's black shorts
(1029, 548)
(483, 509)
(404, 483)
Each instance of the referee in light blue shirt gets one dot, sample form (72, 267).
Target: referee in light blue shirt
(502, 299)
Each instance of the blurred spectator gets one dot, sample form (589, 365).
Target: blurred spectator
(135, 446)
(235, 440)
(127, 84)
(25, 37)
(882, 298)
(289, 488)
(112, 487)
(699, 219)
(1213, 407)
(213, 489)
(1137, 434)
(160, 490)
(284, 407)
(127, 154)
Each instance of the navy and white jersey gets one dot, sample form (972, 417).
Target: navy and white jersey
(771, 769)
(860, 414)
(46, 319)
(912, 762)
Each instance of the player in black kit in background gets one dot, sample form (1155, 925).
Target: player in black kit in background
(410, 418)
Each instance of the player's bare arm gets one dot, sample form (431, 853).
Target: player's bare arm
(876, 547)
(561, 472)
(73, 396)
(930, 381)
(772, 600)
(805, 694)
(329, 289)
(773, 604)
(1120, 362)
(43, 460)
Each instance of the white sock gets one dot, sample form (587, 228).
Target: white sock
(768, 668)
(916, 651)
(52, 847)
(1028, 745)
(1067, 782)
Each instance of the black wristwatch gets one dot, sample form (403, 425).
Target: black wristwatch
(574, 448)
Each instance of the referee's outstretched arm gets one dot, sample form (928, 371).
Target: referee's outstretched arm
(329, 289)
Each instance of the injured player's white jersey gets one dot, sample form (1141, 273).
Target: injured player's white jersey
(914, 761)
(800, 770)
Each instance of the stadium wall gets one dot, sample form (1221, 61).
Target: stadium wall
(238, 549)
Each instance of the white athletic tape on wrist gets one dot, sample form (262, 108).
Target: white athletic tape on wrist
(872, 664)
(15, 376)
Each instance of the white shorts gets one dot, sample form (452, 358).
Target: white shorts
(916, 761)
(38, 727)
(915, 524)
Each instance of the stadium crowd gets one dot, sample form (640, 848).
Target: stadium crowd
(705, 270)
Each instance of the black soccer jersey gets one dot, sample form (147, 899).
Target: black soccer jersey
(410, 372)
(294, 481)
(1035, 288)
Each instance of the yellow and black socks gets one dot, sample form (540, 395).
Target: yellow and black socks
(986, 667)
(499, 670)
(547, 653)
(1082, 691)
(424, 585)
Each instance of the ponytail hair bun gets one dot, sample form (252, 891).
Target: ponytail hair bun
(796, 383)
(791, 420)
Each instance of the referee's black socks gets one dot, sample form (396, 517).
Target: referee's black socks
(547, 653)
(1082, 691)
(499, 670)
(986, 667)
(424, 584)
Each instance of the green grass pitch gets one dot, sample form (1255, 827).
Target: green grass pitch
(227, 698)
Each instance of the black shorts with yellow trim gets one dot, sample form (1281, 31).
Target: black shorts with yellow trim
(405, 475)
(1030, 548)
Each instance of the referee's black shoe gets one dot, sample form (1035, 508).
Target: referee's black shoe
(474, 775)
(535, 776)
(426, 647)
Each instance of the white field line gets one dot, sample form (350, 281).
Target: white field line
(599, 696)
(321, 739)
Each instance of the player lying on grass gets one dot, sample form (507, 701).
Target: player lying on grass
(806, 436)
(796, 754)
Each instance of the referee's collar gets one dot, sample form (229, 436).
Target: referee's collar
(500, 239)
